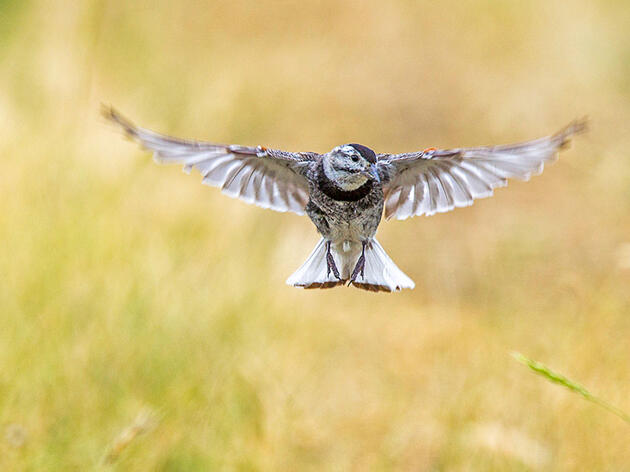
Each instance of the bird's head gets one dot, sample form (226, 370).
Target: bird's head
(351, 165)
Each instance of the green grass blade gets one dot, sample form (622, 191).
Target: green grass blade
(556, 378)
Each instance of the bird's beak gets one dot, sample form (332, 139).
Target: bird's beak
(374, 173)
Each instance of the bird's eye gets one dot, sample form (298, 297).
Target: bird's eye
(355, 158)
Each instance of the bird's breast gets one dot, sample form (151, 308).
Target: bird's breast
(332, 191)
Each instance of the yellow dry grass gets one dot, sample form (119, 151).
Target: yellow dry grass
(129, 288)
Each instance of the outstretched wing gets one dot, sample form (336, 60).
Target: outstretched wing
(265, 177)
(439, 180)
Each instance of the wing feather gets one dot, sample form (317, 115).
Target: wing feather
(265, 177)
(435, 181)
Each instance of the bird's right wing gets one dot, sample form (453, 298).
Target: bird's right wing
(439, 180)
(265, 177)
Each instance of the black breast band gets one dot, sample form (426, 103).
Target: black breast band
(334, 192)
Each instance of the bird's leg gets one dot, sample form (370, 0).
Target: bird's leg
(331, 262)
(360, 267)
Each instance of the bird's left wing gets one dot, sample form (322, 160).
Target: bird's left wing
(439, 180)
(265, 177)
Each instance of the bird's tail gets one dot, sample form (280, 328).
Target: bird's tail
(379, 273)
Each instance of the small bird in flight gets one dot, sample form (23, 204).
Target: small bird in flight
(345, 191)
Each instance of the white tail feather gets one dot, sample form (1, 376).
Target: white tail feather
(379, 274)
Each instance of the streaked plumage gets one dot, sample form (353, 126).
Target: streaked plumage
(345, 191)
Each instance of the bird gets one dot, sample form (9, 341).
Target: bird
(346, 191)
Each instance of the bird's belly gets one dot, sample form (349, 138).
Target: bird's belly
(353, 223)
(340, 221)
(348, 230)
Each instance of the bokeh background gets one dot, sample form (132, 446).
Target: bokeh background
(144, 319)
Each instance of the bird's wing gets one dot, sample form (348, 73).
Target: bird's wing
(265, 177)
(439, 180)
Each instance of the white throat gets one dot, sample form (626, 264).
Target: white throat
(344, 180)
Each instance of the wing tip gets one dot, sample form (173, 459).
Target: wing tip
(575, 128)
(112, 115)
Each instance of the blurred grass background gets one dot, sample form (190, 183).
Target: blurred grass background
(126, 286)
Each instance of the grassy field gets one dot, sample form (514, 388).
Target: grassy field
(144, 319)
